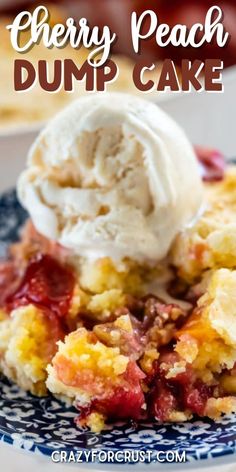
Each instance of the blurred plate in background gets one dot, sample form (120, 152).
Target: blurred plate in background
(208, 118)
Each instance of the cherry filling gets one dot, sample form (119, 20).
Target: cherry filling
(184, 392)
(196, 396)
(47, 284)
(122, 404)
(181, 393)
(212, 163)
(125, 401)
(9, 279)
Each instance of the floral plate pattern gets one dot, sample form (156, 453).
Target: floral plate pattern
(45, 425)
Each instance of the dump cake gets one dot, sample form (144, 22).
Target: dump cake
(120, 295)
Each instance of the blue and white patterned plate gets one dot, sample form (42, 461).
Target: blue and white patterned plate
(45, 425)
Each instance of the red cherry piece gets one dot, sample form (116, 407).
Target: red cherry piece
(183, 392)
(122, 404)
(124, 401)
(212, 163)
(47, 284)
(9, 279)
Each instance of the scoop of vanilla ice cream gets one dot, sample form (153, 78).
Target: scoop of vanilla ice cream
(112, 175)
